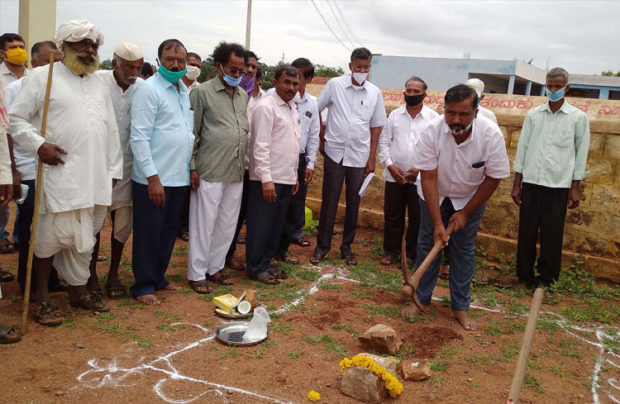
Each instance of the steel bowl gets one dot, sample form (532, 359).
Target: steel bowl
(232, 334)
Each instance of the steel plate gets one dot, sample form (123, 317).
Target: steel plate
(232, 334)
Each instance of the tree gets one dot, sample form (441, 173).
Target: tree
(610, 73)
(207, 69)
(326, 71)
(106, 65)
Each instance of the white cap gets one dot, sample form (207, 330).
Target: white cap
(128, 51)
(77, 30)
(477, 85)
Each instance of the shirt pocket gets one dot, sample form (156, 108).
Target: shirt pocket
(563, 139)
(476, 174)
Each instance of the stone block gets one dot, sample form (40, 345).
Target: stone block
(381, 338)
(390, 364)
(414, 370)
(612, 147)
(363, 385)
(602, 171)
(597, 145)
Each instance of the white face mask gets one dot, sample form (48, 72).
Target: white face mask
(360, 77)
(192, 72)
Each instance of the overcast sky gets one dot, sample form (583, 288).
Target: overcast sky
(581, 36)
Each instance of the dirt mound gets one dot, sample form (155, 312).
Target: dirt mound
(427, 341)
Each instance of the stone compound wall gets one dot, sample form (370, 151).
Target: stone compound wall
(592, 231)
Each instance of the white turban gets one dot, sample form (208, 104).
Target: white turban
(77, 30)
(128, 51)
(477, 85)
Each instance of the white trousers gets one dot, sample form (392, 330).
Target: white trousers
(70, 238)
(213, 214)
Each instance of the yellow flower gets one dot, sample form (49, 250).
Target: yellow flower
(314, 395)
(393, 386)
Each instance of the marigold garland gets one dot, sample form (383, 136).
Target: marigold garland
(314, 395)
(393, 386)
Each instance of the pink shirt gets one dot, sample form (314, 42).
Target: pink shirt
(274, 144)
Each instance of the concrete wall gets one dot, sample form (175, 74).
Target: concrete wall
(438, 73)
(592, 230)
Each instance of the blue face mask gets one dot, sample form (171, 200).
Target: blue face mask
(557, 96)
(171, 76)
(230, 80)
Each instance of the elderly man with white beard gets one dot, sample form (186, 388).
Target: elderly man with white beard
(81, 158)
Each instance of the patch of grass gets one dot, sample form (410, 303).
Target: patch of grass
(268, 343)
(230, 353)
(558, 372)
(282, 327)
(388, 311)
(185, 290)
(329, 343)
(493, 329)
(592, 309)
(354, 333)
(172, 318)
(407, 350)
(256, 355)
(143, 342)
(107, 316)
(180, 251)
(516, 307)
(489, 300)
(478, 359)
(611, 344)
(376, 250)
(368, 274)
(325, 285)
(132, 303)
(167, 327)
(534, 383)
(436, 380)
(286, 290)
(548, 324)
(445, 300)
(68, 323)
(418, 318)
(359, 293)
(514, 326)
(221, 290)
(448, 352)
(476, 384)
(307, 274)
(439, 366)
(577, 282)
(175, 277)
(570, 353)
(532, 364)
(294, 354)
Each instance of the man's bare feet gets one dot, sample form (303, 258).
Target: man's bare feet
(412, 310)
(466, 321)
(148, 299)
(172, 287)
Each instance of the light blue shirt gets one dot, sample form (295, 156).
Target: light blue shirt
(162, 135)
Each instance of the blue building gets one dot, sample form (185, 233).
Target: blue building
(499, 76)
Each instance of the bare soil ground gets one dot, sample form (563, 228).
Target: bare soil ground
(167, 352)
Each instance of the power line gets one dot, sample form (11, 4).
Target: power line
(340, 24)
(330, 28)
(345, 23)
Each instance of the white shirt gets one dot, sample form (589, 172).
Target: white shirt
(398, 140)
(121, 101)
(456, 176)
(274, 144)
(487, 113)
(353, 110)
(7, 76)
(25, 162)
(81, 121)
(253, 102)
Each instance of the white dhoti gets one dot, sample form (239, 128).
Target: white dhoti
(123, 220)
(213, 214)
(70, 238)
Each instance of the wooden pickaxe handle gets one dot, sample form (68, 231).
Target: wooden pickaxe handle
(410, 283)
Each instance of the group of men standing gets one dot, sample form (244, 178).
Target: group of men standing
(120, 145)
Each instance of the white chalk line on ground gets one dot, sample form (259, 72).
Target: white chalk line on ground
(114, 376)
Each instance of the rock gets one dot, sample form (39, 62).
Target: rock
(363, 385)
(60, 393)
(389, 364)
(414, 370)
(381, 338)
(79, 345)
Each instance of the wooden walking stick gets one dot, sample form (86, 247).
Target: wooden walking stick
(519, 374)
(37, 201)
(410, 283)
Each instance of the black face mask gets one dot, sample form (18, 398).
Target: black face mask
(413, 100)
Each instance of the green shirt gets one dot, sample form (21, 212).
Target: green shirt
(220, 130)
(553, 148)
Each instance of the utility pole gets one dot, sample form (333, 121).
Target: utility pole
(248, 25)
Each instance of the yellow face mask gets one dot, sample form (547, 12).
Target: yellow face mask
(16, 56)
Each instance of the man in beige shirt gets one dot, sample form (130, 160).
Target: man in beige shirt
(274, 155)
(217, 167)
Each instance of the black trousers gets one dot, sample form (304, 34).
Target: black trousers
(184, 222)
(154, 233)
(398, 199)
(23, 222)
(242, 214)
(265, 222)
(542, 210)
(334, 175)
(296, 216)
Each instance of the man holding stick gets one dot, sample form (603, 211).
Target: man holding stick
(82, 157)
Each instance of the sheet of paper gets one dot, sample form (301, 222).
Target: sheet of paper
(365, 184)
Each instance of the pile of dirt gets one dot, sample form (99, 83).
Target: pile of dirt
(427, 341)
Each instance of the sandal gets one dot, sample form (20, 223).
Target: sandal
(49, 314)
(232, 263)
(302, 242)
(6, 276)
(6, 247)
(241, 240)
(316, 258)
(115, 289)
(101, 258)
(220, 278)
(91, 301)
(184, 236)
(266, 277)
(288, 258)
(201, 286)
(350, 260)
(9, 336)
(388, 260)
(278, 273)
